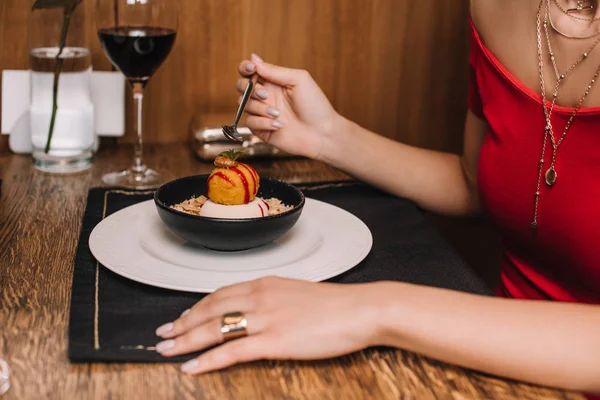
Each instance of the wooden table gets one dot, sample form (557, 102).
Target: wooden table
(40, 220)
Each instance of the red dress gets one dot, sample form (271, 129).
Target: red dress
(561, 260)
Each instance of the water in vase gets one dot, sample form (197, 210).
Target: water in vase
(73, 135)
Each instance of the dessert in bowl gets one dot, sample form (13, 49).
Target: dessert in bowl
(231, 209)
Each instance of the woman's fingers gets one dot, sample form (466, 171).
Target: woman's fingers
(198, 338)
(170, 329)
(260, 93)
(260, 109)
(248, 67)
(281, 76)
(204, 312)
(237, 351)
(256, 123)
(204, 336)
(273, 73)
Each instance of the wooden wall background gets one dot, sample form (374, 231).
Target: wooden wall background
(397, 67)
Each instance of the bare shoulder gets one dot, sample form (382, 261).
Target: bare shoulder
(508, 30)
(502, 18)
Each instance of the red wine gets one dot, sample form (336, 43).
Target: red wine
(137, 51)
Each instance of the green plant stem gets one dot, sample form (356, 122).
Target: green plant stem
(57, 70)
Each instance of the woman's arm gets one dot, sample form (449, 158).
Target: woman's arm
(440, 182)
(553, 344)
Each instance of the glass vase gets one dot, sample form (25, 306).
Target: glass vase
(61, 111)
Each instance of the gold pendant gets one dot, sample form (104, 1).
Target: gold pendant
(551, 176)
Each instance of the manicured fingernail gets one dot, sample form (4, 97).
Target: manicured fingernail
(190, 366)
(273, 112)
(277, 124)
(186, 312)
(166, 328)
(256, 58)
(250, 67)
(164, 346)
(262, 93)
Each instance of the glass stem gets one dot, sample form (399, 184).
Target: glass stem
(138, 165)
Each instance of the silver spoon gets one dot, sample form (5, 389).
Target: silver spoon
(230, 131)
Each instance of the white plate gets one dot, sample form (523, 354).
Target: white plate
(325, 242)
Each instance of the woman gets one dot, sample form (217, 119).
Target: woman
(546, 210)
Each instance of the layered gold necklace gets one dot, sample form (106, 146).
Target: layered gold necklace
(551, 174)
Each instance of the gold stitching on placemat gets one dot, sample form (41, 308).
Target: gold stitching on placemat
(96, 290)
(96, 338)
(140, 347)
(326, 186)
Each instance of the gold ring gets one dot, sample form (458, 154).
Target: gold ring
(233, 326)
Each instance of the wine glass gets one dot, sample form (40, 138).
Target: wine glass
(137, 36)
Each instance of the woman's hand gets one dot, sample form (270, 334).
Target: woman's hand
(288, 109)
(287, 319)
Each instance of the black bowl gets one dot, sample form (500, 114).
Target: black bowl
(227, 234)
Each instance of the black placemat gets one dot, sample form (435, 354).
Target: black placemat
(114, 319)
